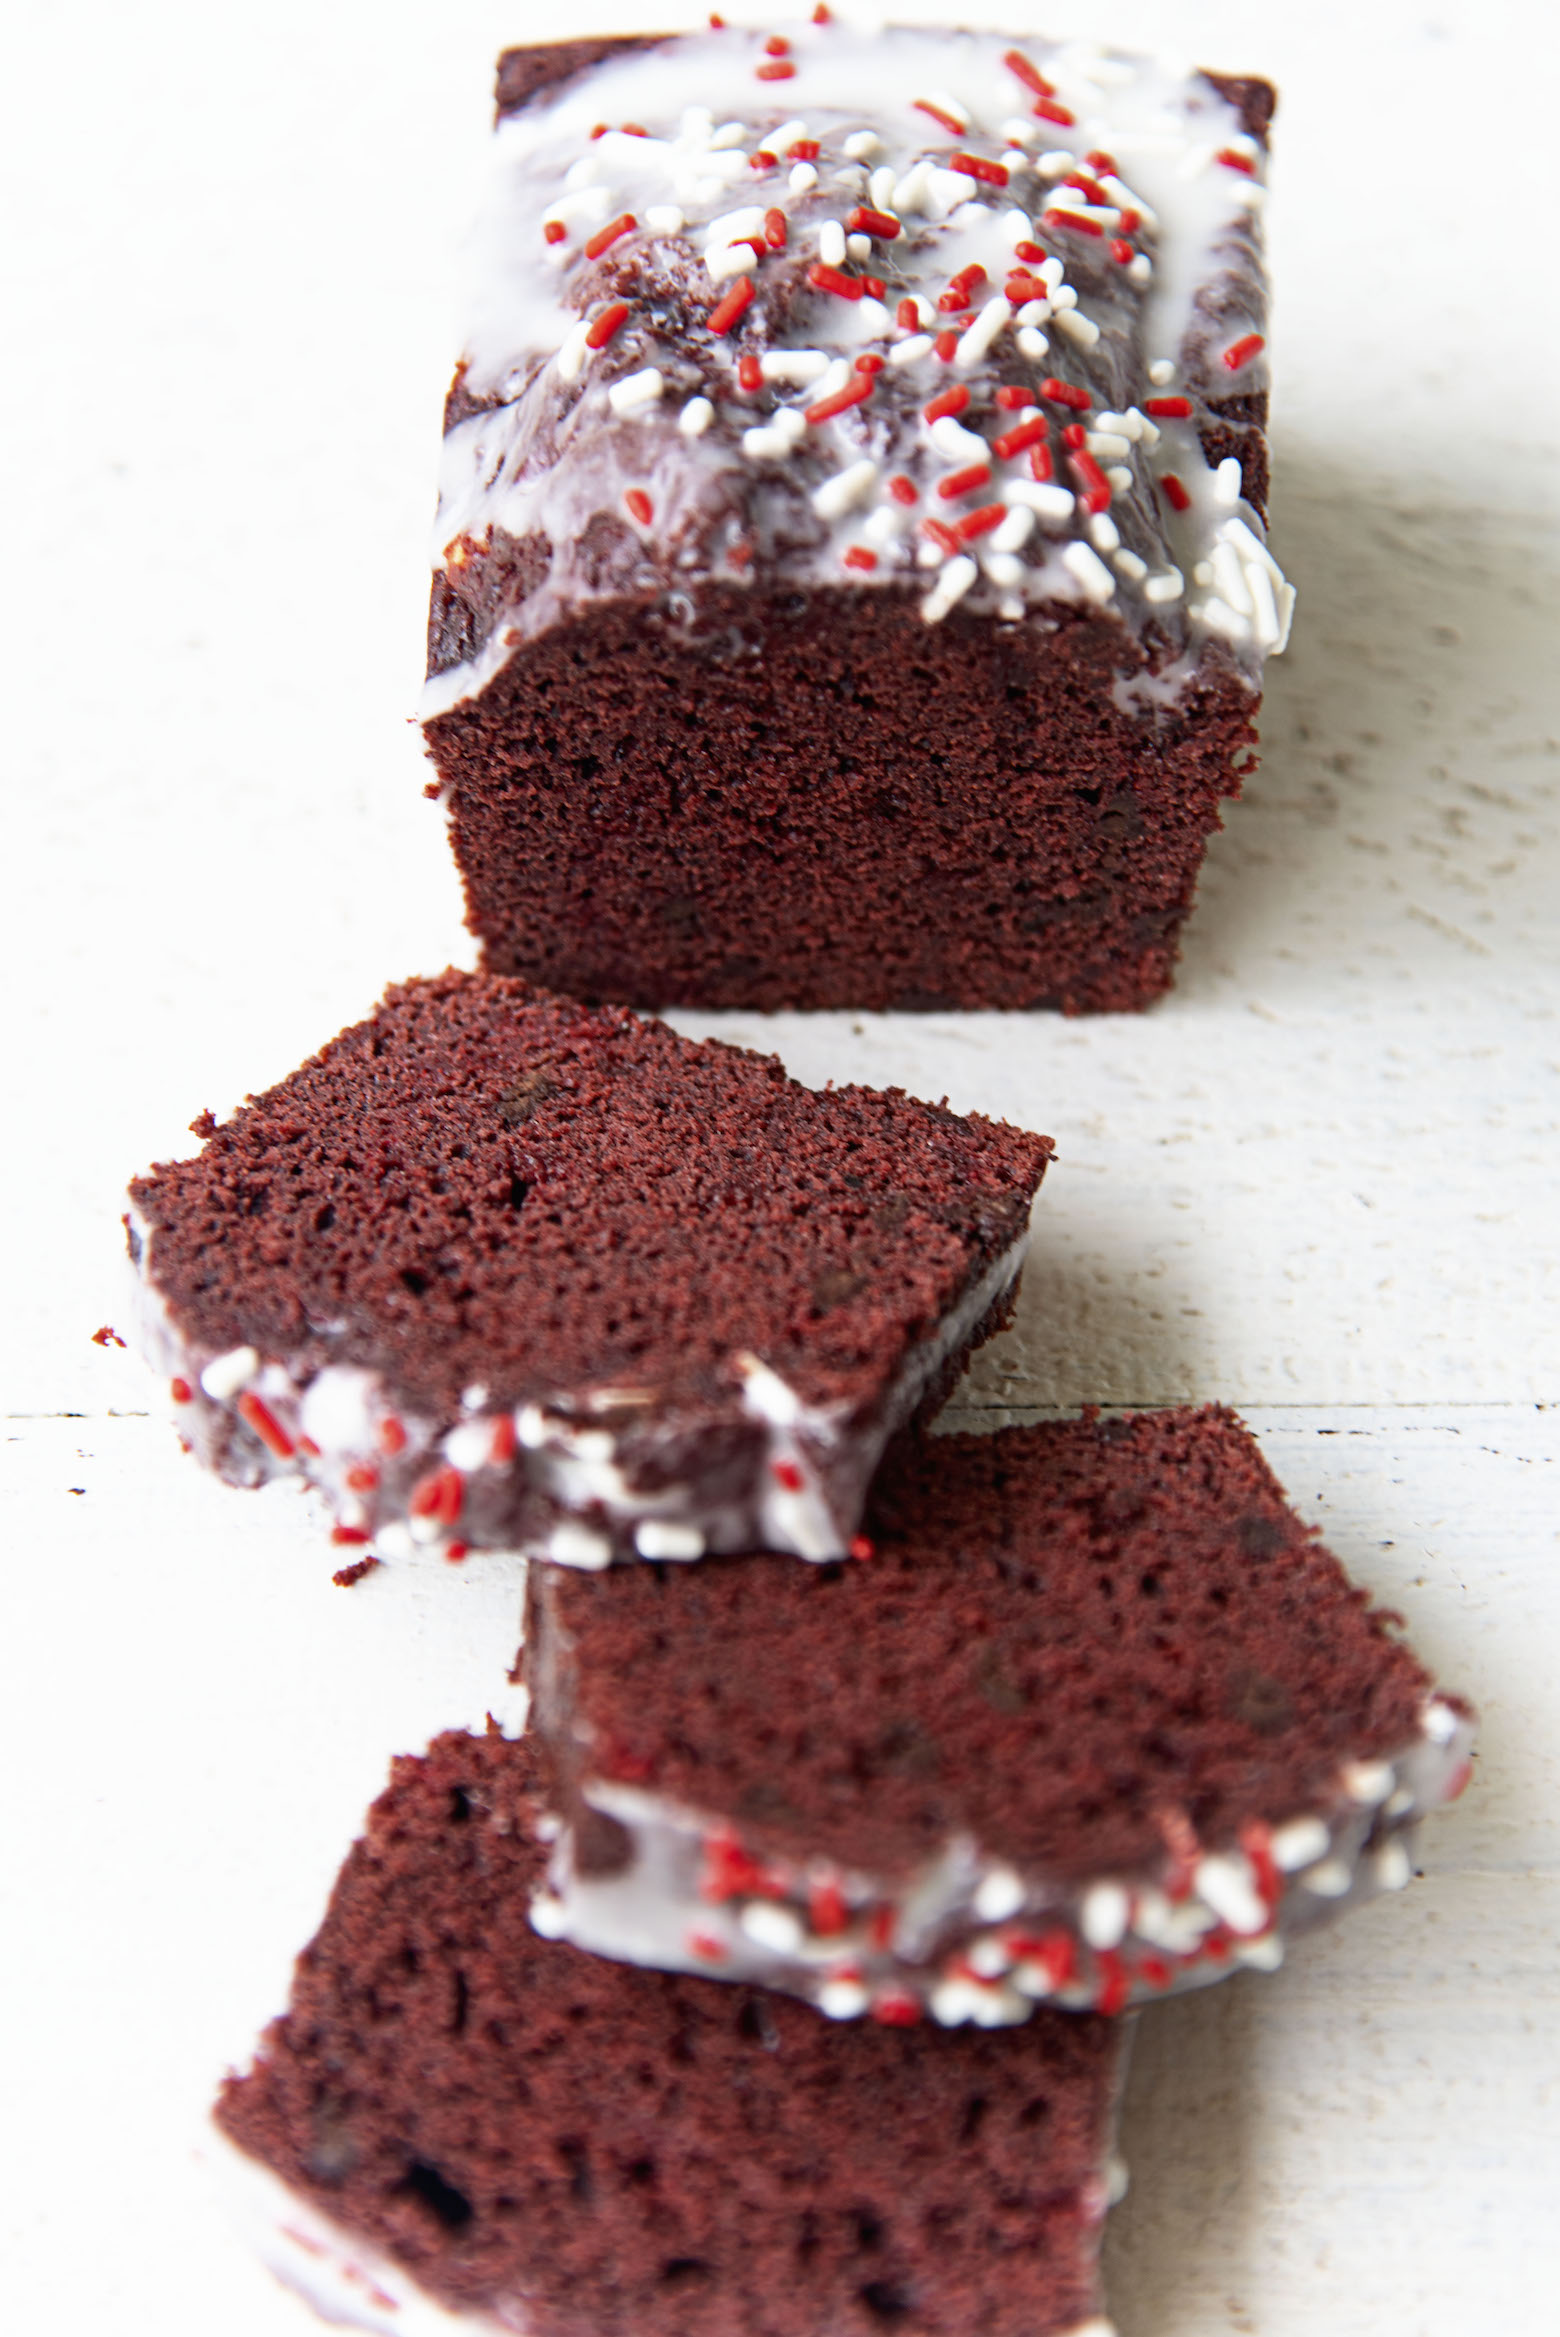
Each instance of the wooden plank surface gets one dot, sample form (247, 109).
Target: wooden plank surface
(1318, 1183)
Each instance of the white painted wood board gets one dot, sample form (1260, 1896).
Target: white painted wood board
(1318, 1182)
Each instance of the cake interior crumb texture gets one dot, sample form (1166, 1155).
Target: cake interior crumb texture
(484, 1183)
(586, 2150)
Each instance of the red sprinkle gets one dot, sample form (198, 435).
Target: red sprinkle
(802, 150)
(502, 1448)
(938, 532)
(878, 223)
(1154, 1970)
(820, 14)
(306, 1444)
(739, 554)
(781, 70)
(945, 347)
(1034, 253)
(604, 237)
(361, 1477)
(1257, 1842)
(1459, 1782)
(788, 1475)
(948, 401)
(880, 1927)
(554, 230)
(606, 324)
(441, 1495)
(1065, 393)
(1075, 219)
(980, 523)
(1014, 394)
(1014, 441)
(870, 362)
(775, 230)
(763, 160)
(953, 302)
(1040, 463)
(1094, 487)
(826, 1911)
(1241, 352)
(730, 1872)
(599, 131)
(1168, 409)
(855, 393)
(1114, 1988)
(1075, 436)
(1131, 221)
(734, 302)
(976, 166)
(1233, 161)
(181, 1391)
(777, 46)
(638, 505)
(860, 1547)
(902, 489)
(346, 1536)
(1053, 1951)
(106, 1336)
(1174, 493)
(635, 130)
(924, 105)
(858, 556)
(260, 1417)
(705, 1944)
(1121, 251)
(455, 1553)
(964, 482)
(1048, 110)
(896, 2011)
(1021, 287)
(346, 1576)
(1098, 159)
(717, 23)
(1033, 80)
(750, 374)
(875, 285)
(1082, 184)
(907, 317)
(829, 279)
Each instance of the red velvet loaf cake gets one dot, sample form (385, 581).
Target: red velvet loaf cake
(497, 1269)
(851, 585)
(455, 2114)
(1096, 1720)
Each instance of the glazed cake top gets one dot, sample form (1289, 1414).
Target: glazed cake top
(1071, 1641)
(486, 1185)
(974, 319)
(636, 2155)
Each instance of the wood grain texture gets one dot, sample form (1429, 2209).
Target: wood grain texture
(1318, 1182)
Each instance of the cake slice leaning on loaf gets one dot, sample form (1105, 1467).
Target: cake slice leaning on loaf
(456, 2124)
(496, 1270)
(851, 585)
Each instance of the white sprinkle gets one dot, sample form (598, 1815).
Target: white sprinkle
(474, 1398)
(1103, 1913)
(549, 1916)
(1161, 370)
(977, 339)
(1106, 441)
(587, 208)
(873, 318)
(1229, 578)
(1128, 199)
(1089, 572)
(1119, 477)
(803, 178)
(1299, 1843)
(1250, 547)
(840, 371)
(573, 1544)
(1392, 1865)
(1330, 1880)
(772, 1927)
(696, 417)
(658, 1538)
(1368, 1782)
(1224, 1883)
(946, 190)
(727, 259)
(1062, 295)
(470, 1446)
(1097, 2327)
(1104, 534)
(831, 243)
(747, 220)
(729, 134)
(1016, 132)
(776, 142)
(988, 1958)
(1015, 226)
(802, 366)
(1128, 564)
(664, 219)
(1031, 341)
(861, 145)
(225, 1374)
(1014, 160)
(1400, 1804)
(928, 556)
(1015, 530)
(1078, 327)
(1265, 620)
(885, 525)
(1006, 570)
(1227, 483)
(1141, 270)
(909, 352)
(881, 188)
(1056, 162)
(956, 444)
(845, 490)
(1262, 1955)
(1202, 573)
(953, 2002)
(998, 1895)
(1439, 1723)
(858, 247)
(771, 442)
(636, 390)
(1117, 2181)
(573, 351)
(951, 586)
(394, 1541)
(1220, 618)
(910, 191)
(842, 2000)
(1033, 312)
(1050, 501)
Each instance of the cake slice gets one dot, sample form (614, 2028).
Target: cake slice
(851, 584)
(1096, 1719)
(458, 2123)
(495, 1269)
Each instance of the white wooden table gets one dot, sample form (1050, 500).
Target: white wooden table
(1317, 1183)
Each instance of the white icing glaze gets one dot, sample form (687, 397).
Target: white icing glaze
(1183, 180)
(581, 1479)
(967, 1937)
